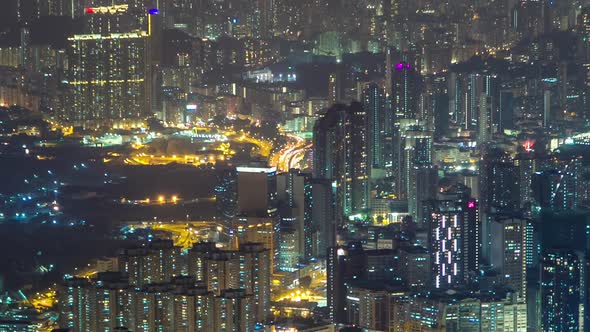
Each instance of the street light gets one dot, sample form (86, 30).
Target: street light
(161, 199)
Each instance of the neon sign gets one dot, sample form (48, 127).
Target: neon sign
(109, 10)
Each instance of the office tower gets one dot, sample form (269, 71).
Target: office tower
(344, 263)
(257, 191)
(323, 216)
(226, 194)
(511, 245)
(295, 194)
(373, 99)
(340, 155)
(233, 311)
(109, 69)
(455, 233)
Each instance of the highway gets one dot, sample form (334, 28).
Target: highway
(291, 156)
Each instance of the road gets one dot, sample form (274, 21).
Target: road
(186, 233)
(292, 155)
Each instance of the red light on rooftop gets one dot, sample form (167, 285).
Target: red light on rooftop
(89, 10)
(528, 145)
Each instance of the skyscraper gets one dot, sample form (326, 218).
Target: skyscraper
(373, 99)
(407, 85)
(323, 216)
(563, 297)
(109, 68)
(454, 242)
(295, 194)
(418, 175)
(340, 155)
(510, 248)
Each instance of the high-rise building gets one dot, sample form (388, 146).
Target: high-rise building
(226, 194)
(373, 99)
(343, 265)
(157, 262)
(257, 191)
(295, 194)
(407, 86)
(415, 266)
(455, 237)
(555, 189)
(248, 268)
(234, 311)
(109, 74)
(324, 223)
(563, 290)
(486, 128)
(418, 175)
(510, 248)
(565, 249)
(340, 155)
(76, 306)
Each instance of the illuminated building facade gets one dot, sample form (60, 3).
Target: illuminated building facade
(248, 268)
(295, 196)
(340, 155)
(373, 99)
(454, 239)
(510, 248)
(156, 263)
(109, 74)
(563, 290)
(220, 291)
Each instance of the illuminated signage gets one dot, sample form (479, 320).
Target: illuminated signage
(109, 10)
(256, 169)
(471, 204)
